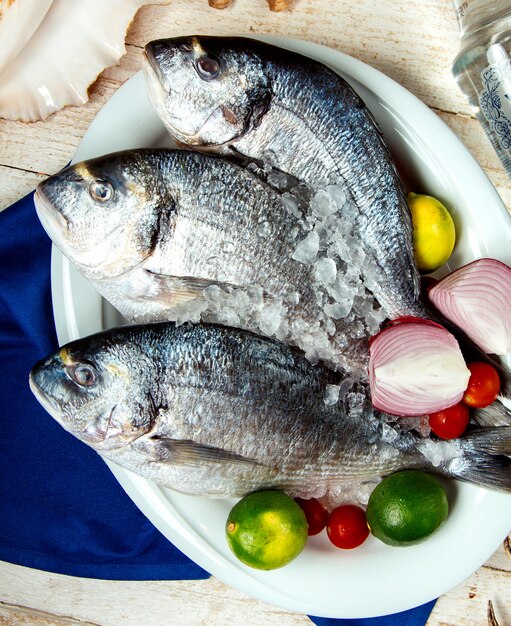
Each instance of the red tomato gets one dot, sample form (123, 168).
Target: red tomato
(315, 514)
(483, 386)
(450, 423)
(347, 526)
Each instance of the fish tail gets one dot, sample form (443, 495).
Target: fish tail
(505, 379)
(486, 458)
(496, 414)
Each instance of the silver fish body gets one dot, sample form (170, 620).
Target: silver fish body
(158, 231)
(221, 412)
(244, 97)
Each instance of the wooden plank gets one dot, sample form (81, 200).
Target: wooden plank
(501, 182)
(389, 31)
(16, 183)
(467, 605)
(158, 603)
(395, 38)
(12, 615)
(502, 558)
(471, 133)
(413, 43)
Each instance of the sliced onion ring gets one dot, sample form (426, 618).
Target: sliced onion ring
(477, 298)
(416, 368)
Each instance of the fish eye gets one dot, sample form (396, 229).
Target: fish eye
(82, 374)
(101, 190)
(208, 67)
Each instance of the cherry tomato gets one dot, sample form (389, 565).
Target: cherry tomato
(450, 423)
(483, 386)
(315, 514)
(347, 527)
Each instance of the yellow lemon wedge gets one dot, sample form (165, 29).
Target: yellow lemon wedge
(434, 233)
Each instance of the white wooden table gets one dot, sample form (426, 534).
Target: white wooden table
(414, 43)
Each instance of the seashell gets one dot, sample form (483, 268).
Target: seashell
(19, 20)
(279, 5)
(76, 41)
(219, 4)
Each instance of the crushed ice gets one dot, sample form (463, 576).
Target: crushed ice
(350, 492)
(329, 240)
(343, 272)
(439, 452)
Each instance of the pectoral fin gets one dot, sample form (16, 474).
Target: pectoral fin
(173, 290)
(187, 452)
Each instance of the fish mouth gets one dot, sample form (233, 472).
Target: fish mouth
(51, 219)
(158, 89)
(50, 405)
(153, 69)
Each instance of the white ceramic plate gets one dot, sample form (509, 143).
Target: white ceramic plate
(374, 579)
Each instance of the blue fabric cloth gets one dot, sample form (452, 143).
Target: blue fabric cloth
(61, 509)
(413, 617)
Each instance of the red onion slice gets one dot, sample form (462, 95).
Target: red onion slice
(477, 298)
(416, 368)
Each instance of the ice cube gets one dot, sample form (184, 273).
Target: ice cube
(330, 326)
(264, 229)
(389, 434)
(338, 195)
(345, 386)
(293, 298)
(325, 271)
(190, 311)
(322, 204)
(302, 193)
(337, 310)
(307, 250)
(278, 179)
(341, 291)
(271, 316)
(356, 401)
(212, 293)
(331, 394)
(255, 293)
(292, 204)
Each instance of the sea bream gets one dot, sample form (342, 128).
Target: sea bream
(214, 411)
(242, 97)
(176, 235)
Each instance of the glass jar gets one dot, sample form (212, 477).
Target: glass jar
(482, 68)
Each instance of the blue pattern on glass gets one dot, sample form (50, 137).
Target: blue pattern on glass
(491, 104)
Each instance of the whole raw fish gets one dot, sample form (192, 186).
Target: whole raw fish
(176, 235)
(242, 97)
(221, 412)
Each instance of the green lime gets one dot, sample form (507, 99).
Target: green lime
(406, 508)
(434, 234)
(266, 529)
